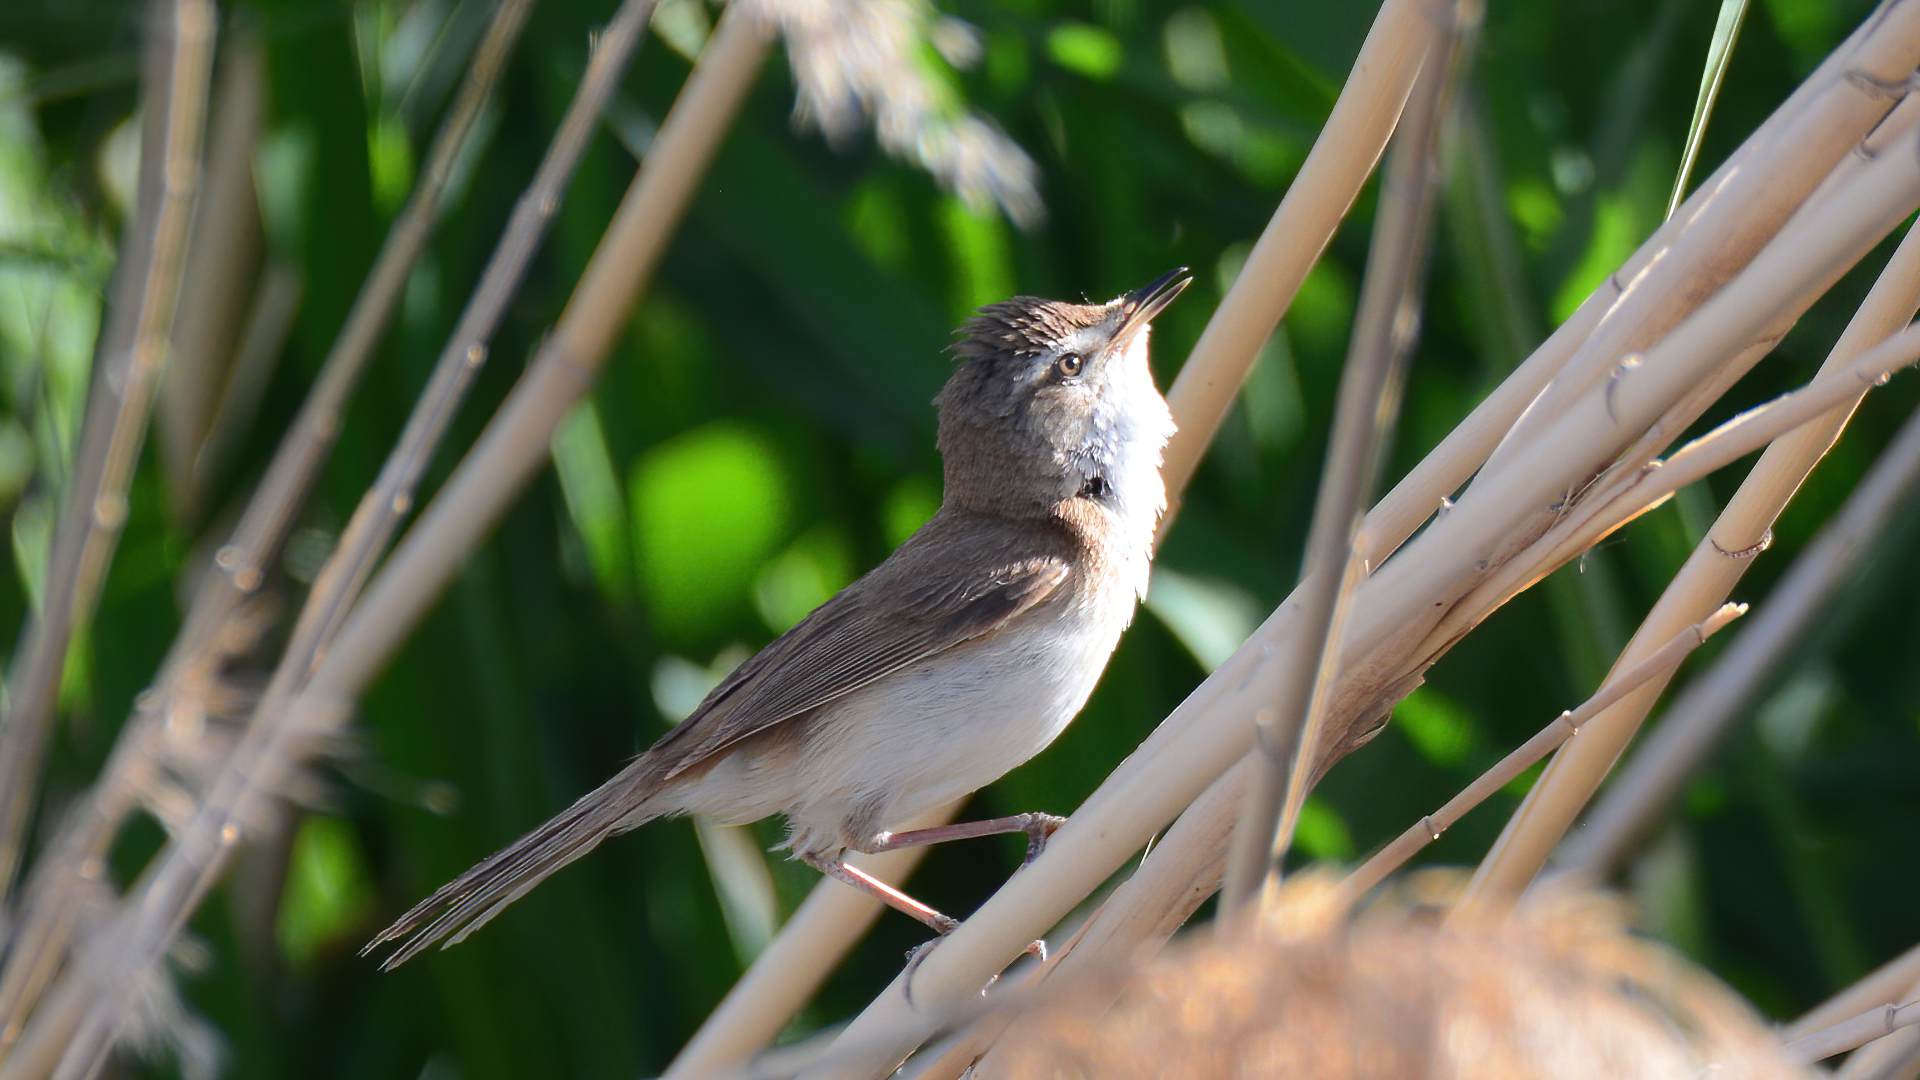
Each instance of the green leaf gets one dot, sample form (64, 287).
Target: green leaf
(328, 892)
(1726, 30)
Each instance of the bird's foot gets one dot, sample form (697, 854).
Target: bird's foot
(1039, 827)
(1036, 949)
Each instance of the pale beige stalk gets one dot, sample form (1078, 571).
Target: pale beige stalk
(1661, 663)
(1342, 158)
(512, 447)
(47, 920)
(1745, 213)
(1702, 583)
(1385, 329)
(1881, 985)
(1713, 702)
(1854, 1032)
(134, 348)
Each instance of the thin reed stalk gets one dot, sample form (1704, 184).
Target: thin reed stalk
(1704, 581)
(47, 923)
(1336, 168)
(1746, 212)
(1702, 715)
(1385, 328)
(1663, 662)
(1882, 984)
(1892, 1055)
(89, 1004)
(1854, 1032)
(134, 349)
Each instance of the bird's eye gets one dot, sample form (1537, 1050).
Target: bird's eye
(1068, 365)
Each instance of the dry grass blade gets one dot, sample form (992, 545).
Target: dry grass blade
(1702, 583)
(1712, 703)
(1428, 829)
(133, 351)
(1385, 328)
(84, 1011)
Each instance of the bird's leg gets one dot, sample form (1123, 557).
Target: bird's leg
(839, 870)
(1037, 827)
(842, 871)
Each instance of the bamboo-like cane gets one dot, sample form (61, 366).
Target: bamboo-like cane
(134, 349)
(1891, 1055)
(1882, 984)
(1854, 1032)
(1662, 662)
(85, 1009)
(1385, 329)
(1703, 582)
(1339, 163)
(1712, 703)
(1752, 204)
(46, 925)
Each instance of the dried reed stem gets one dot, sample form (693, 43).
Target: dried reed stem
(134, 348)
(509, 451)
(1709, 573)
(1336, 168)
(1883, 984)
(1711, 703)
(784, 977)
(1751, 205)
(1662, 662)
(47, 924)
(1893, 1055)
(1386, 325)
(1854, 1032)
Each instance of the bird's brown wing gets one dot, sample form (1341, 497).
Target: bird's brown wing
(893, 617)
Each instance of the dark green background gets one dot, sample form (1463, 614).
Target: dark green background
(764, 433)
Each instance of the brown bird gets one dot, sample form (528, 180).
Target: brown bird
(961, 656)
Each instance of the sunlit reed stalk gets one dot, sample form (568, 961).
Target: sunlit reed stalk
(1892, 1055)
(1747, 211)
(1567, 725)
(1881, 985)
(1854, 1032)
(1704, 581)
(133, 352)
(90, 1003)
(1337, 166)
(1702, 715)
(1386, 326)
(1187, 864)
(48, 921)
(1201, 738)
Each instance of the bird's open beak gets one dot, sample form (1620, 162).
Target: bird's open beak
(1142, 304)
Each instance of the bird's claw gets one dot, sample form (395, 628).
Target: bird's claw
(1039, 828)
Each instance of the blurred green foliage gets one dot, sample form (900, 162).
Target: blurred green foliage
(765, 434)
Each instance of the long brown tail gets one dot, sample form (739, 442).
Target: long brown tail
(469, 901)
